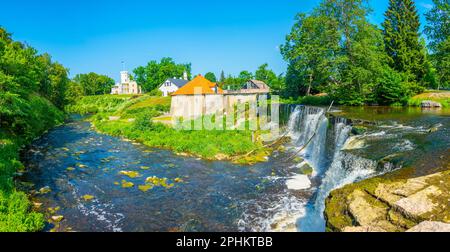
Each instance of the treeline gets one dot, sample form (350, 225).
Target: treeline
(336, 50)
(263, 73)
(153, 75)
(90, 84)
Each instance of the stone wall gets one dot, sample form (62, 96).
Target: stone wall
(193, 106)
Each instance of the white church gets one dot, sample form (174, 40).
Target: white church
(126, 85)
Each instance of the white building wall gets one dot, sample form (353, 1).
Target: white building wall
(166, 90)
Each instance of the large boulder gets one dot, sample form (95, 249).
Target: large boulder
(430, 226)
(430, 104)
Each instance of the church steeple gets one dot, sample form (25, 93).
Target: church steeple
(185, 75)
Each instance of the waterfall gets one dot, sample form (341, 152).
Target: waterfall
(304, 124)
(333, 166)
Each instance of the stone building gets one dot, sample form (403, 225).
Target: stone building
(202, 97)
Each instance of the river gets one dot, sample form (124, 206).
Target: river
(84, 171)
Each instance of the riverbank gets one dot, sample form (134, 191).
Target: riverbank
(15, 208)
(136, 118)
(439, 97)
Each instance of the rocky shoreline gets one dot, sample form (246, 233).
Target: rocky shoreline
(395, 202)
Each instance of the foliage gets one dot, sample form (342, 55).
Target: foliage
(211, 77)
(334, 49)
(402, 39)
(93, 84)
(276, 83)
(391, 88)
(263, 73)
(99, 104)
(438, 32)
(310, 100)
(438, 23)
(152, 75)
(309, 49)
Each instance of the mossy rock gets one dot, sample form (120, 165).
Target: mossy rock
(306, 170)
(88, 197)
(359, 130)
(130, 174)
(57, 218)
(45, 190)
(178, 180)
(145, 188)
(126, 184)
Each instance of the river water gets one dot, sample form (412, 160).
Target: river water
(74, 161)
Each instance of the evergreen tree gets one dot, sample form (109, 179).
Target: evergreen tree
(222, 79)
(402, 40)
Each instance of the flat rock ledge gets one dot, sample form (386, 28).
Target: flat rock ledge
(383, 205)
(430, 226)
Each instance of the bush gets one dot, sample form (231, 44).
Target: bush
(392, 89)
(156, 92)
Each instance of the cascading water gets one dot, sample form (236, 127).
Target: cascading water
(308, 125)
(333, 167)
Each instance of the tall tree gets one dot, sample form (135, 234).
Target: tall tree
(151, 76)
(245, 76)
(211, 77)
(222, 79)
(438, 32)
(310, 50)
(438, 23)
(402, 39)
(336, 50)
(263, 73)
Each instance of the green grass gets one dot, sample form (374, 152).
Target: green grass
(15, 214)
(100, 104)
(204, 143)
(443, 97)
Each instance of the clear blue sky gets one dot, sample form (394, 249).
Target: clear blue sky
(96, 35)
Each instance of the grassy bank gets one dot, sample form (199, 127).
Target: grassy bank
(15, 208)
(134, 118)
(442, 97)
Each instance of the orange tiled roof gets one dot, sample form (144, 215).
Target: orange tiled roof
(199, 85)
